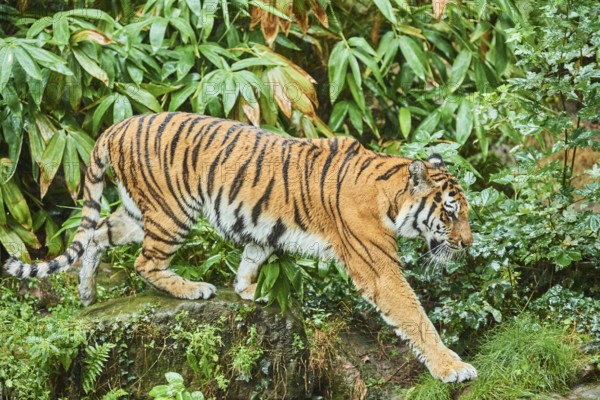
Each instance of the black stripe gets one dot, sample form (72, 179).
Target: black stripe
(264, 199)
(176, 139)
(285, 148)
(88, 223)
(211, 174)
(259, 162)
(53, 266)
(390, 172)
(278, 230)
(92, 204)
(364, 166)
(78, 247)
(416, 216)
(297, 218)
(239, 225)
(109, 232)
(333, 147)
(172, 242)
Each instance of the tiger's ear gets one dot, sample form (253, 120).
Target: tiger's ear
(436, 160)
(419, 177)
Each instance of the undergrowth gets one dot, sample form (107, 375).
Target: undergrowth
(519, 359)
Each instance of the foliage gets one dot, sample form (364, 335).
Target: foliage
(95, 358)
(174, 390)
(202, 354)
(570, 308)
(37, 349)
(486, 75)
(520, 359)
(246, 355)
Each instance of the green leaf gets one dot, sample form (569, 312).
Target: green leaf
(16, 204)
(47, 59)
(51, 161)
(386, 9)
(27, 63)
(85, 144)
(180, 96)
(414, 56)
(464, 121)
(429, 123)
(356, 118)
(405, 120)
(140, 95)
(230, 94)
(157, 33)
(6, 60)
(253, 62)
(61, 31)
(357, 92)
(90, 66)
(270, 272)
(459, 70)
(38, 26)
(121, 108)
(13, 243)
(338, 64)
(355, 70)
(101, 110)
(500, 53)
(13, 136)
(338, 114)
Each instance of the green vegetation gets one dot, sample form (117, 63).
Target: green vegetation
(507, 91)
(174, 390)
(520, 359)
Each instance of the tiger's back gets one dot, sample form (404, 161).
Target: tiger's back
(317, 197)
(252, 185)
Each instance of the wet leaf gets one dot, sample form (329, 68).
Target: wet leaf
(51, 161)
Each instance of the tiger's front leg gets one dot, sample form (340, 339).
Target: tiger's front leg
(377, 274)
(253, 257)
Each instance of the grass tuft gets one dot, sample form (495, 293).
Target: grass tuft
(519, 359)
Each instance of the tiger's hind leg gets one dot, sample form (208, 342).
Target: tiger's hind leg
(253, 257)
(160, 244)
(117, 229)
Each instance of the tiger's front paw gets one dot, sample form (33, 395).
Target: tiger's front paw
(203, 290)
(247, 293)
(452, 370)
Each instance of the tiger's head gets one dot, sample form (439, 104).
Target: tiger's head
(438, 212)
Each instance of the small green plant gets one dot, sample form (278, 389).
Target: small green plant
(246, 355)
(95, 358)
(174, 389)
(202, 354)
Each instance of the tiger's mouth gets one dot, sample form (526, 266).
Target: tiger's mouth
(443, 251)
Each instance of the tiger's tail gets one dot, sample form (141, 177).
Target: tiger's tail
(90, 215)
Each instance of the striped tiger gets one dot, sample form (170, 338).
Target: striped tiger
(320, 197)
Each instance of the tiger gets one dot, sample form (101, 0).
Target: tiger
(269, 192)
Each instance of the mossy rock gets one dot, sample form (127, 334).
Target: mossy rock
(147, 330)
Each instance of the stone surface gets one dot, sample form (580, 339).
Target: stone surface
(588, 391)
(143, 327)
